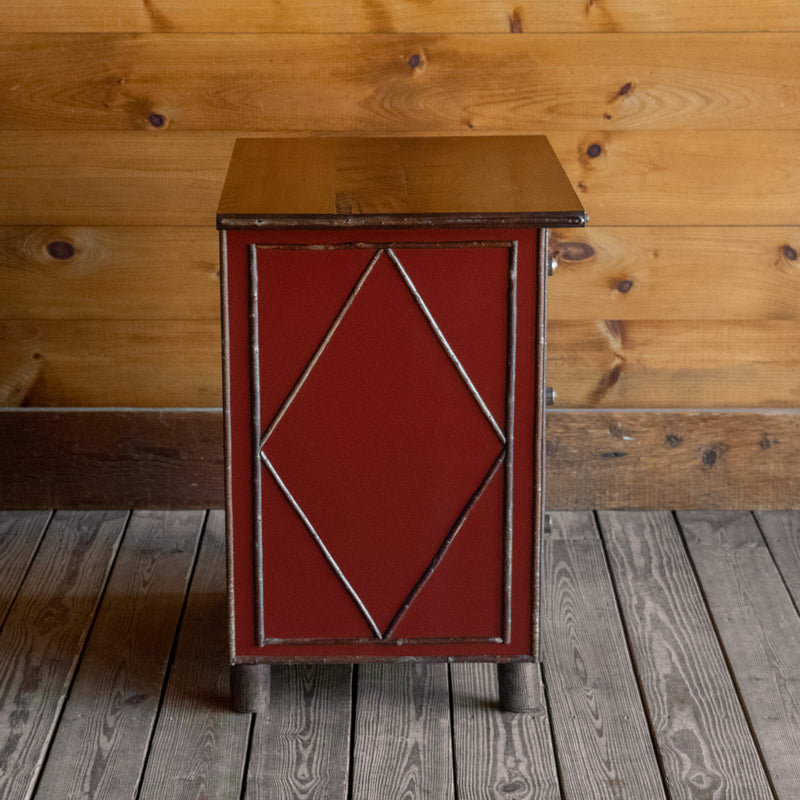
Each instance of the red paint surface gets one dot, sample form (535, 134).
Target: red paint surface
(382, 446)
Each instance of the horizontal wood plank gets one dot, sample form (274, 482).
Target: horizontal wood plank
(392, 82)
(604, 273)
(663, 364)
(150, 363)
(676, 273)
(85, 178)
(117, 458)
(683, 177)
(109, 273)
(595, 459)
(75, 178)
(466, 16)
(676, 459)
(602, 363)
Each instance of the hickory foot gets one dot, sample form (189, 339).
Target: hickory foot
(520, 686)
(250, 687)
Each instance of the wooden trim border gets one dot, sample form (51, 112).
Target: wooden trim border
(173, 458)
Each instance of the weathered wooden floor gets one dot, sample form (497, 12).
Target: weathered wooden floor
(671, 669)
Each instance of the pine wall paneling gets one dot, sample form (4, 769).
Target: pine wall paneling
(398, 16)
(676, 122)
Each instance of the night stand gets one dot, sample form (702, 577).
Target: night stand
(384, 355)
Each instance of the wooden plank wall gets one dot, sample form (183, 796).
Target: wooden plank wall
(677, 123)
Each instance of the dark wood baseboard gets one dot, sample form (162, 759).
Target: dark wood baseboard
(682, 459)
(111, 458)
(173, 458)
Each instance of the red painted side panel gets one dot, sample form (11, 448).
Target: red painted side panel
(382, 473)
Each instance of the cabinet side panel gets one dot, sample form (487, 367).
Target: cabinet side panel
(513, 425)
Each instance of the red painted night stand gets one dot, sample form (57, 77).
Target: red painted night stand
(384, 335)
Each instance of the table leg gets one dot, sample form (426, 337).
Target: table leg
(250, 687)
(520, 686)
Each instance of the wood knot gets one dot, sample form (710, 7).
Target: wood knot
(417, 62)
(623, 287)
(575, 251)
(710, 457)
(60, 250)
(712, 454)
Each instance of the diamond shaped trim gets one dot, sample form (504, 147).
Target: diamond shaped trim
(287, 403)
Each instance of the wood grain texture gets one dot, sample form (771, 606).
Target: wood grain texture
(350, 181)
(402, 732)
(604, 273)
(660, 364)
(114, 458)
(686, 177)
(499, 755)
(703, 739)
(17, 379)
(250, 687)
(96, 179)
(101, 743)
(656, 459)
(781, 530)
(675, 273)
(467, 16)
(199, 744)
(109, 273)
(301, 744)
(600, 730)
(597, 363)
(596, 459)
(759, 628)
(20, 535)
(751, 278)
(43, 636)
(123, 363)
(390, 82)
(750, 604)
(93, 178)
(520, 686)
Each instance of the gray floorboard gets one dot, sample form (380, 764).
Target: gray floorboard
(671, 649)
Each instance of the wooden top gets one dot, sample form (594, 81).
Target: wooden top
(513, 181)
